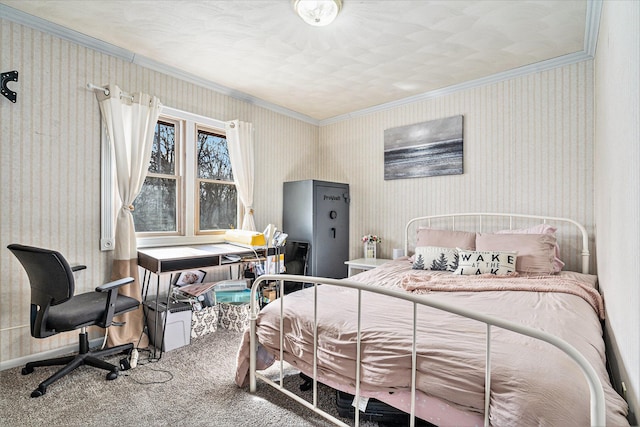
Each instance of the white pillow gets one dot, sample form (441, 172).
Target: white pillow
(499, 263)
(435, 258)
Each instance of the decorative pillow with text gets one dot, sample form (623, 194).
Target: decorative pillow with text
(486, 262)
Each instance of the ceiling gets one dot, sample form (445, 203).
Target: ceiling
(376, 52)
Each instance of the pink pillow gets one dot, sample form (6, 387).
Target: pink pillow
(536, 229)
(536, 252)
(446, 238)
(540, 229)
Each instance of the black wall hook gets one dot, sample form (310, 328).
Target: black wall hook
(10, 76)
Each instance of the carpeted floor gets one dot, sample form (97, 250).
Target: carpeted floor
(189, 386)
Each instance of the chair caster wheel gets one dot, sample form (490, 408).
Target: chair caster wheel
(112, 375)
(38, 392)
(27, 370)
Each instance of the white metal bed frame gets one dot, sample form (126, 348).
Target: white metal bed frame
(597, 401)
(511, 217)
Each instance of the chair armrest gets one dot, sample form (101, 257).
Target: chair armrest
(115, 284)
(112, 289)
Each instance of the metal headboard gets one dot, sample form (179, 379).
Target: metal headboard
(544, 219)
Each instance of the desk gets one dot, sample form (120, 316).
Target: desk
(364, 264)
(170, 259)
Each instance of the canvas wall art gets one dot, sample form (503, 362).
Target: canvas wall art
(424, 149)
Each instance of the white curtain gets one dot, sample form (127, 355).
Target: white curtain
(240, 143)
(130, 124)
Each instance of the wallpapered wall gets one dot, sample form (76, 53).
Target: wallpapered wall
(50, 161)
(528, 147)
(617, 184)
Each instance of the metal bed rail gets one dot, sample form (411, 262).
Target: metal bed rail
(597, 401)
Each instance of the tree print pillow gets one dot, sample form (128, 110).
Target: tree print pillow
(435, 258)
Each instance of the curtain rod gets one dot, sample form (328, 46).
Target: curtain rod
(91, 86)
(106, 91)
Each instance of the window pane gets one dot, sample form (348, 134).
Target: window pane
(163, 153)
(213, 157)
(218, 206)
(155, 206)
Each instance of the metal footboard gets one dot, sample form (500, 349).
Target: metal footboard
(597, 400)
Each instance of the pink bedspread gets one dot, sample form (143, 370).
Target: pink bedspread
(422, 284)
(532, 383)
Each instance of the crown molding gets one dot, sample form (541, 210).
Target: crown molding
(48, 27)
(537, 67)
(128, 56)
(592, 24)
(208, 84)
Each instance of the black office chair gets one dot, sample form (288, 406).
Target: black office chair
(55, 309)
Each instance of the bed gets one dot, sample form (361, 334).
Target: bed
(483, 325)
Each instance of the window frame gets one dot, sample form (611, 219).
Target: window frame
(187, 166)
(179, 178)
(197, 181)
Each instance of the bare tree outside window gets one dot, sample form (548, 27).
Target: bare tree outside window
(155, 208)
(218, 196)
(160, 207)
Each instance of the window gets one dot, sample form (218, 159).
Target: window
(189, 192)
(218, 198)
(156, 207)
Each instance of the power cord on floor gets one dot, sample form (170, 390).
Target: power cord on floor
(143, 362)
(149, 382)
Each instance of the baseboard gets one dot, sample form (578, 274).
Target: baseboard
(21, 361)
(619, 375)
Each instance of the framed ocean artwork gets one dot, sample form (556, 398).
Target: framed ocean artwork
(424, 149)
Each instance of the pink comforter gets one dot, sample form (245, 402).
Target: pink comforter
(532, 383)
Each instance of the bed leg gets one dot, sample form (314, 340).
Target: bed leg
(252, 354)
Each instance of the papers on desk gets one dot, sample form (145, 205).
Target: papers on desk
(199, 295)
(232, 258)
(197, 289)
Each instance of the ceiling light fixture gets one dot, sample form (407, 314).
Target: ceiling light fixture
(317, 12)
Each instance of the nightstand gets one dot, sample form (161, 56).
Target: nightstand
(364, 264)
